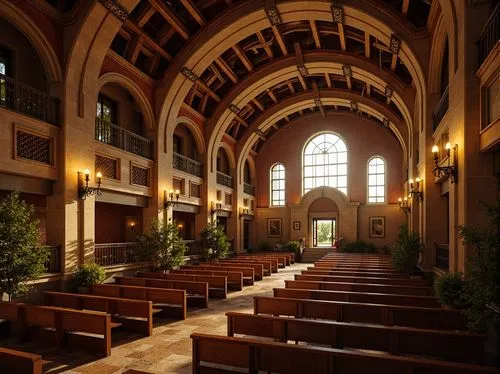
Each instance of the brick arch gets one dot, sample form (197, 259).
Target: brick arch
(195, 131)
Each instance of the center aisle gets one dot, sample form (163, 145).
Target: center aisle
(169, 349)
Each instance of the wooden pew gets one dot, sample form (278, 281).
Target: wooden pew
(17, 362)
(346, 265)
(283, 260)
(64, 326)
(171, 302)
(256, 355)
(249, 273)
(133, 315)
(350, 268)
(359, 287)
(380, 314)
(446, 345)
(196, 292)
(266, 265)
(347, 273)
(289, 256)
(271, 263)
(234, 278)
(332, 278)
(217, 285)
(358, 297)
(277, 262)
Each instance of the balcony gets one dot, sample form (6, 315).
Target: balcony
(224, 179)
(442, 256)
(440, 111)
(112, 254)
(20, 98)
(490, 35)
(53, 264)
(111, 134)
(248, 189)
(188, 165)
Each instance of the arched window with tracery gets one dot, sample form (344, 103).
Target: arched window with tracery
(325, 163)
(376, 180)
(278, 185)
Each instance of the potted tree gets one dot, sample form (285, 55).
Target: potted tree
(162, 245)
(293, 246)
(87, 275)
(482, 283)
(406, 251)
(449, 290)
(22, 258)
(214, 240)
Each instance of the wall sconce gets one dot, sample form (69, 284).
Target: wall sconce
(132, 225)
(169, 198)
(245, 212)
(403, 205)
(216, 207)
(180, 226)
(84, 190)
(450, 171)
(416, 193)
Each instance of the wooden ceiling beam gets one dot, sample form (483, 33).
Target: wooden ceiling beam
(405, 7)
(145, 14)
(133, 48)
(207, 89)
(165, 33)
(226, 69)
(328, 80)
(271, 95)
(268, 50)
(243, 57)
(315, 32)
(290, 87)
(367, 45)
(342, 37)
(302, 82)
(192, 8)
(280, 40)
(171, 18)
(394, 61)
(148, 40)
(258, 104)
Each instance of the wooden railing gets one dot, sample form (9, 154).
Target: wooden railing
(490, 35)
(248, 189)
(21, 98)
(188, 165)
(53, 264)
(110, 254)
(440, 110)
(109, 133)
(224, 179)
(442, 256)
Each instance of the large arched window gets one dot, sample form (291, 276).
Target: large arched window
(376, 180)
(325, 163)
(278, 185)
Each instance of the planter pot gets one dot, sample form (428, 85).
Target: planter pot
(492, 344)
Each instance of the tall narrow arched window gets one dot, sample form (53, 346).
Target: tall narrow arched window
(325, 163)
(278, 185)
(376, 180)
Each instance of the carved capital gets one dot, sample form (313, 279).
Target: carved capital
(114, 7)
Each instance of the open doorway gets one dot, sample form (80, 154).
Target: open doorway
(324, 232)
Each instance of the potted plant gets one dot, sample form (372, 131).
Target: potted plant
(87, 275)
(406, 251)
(293, 246)
(482, 283)
(215, 242)
(22, 259)
(449, 290)
(162, 245)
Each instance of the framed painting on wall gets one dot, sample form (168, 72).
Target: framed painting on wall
(296, 225)
(274, 227)
(376, 227)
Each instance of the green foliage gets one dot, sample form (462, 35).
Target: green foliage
(22, 259)
(215, 242)
(449, 289)
(163, 245)
(482, 283)
(88, 275)
(292, 246)
(324, 232)
(358, 246)
(406, 251)
(265, 247)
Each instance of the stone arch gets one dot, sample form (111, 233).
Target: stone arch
(440, 36)
(229, 153)
(251, 167)
(139, 96)
(36, 37)
(195, 131)
(450, 17)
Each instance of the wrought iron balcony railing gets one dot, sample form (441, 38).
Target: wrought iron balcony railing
(442, 256)
(248, 189)
(188, 165)
(109, 133)
(110, 254)
(440, 110)
(21, 98)
(490, 35)
(224, 179)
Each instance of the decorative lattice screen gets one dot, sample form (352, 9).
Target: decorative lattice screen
(34, 147)
(229, 199)
(195, 190)
(178, 184)
(107, 166)
(140, 176)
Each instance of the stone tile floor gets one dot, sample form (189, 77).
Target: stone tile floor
(168, 350)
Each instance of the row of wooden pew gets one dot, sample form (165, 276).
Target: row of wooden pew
(336, 313)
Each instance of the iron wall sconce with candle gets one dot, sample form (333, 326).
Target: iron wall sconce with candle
(415, 189)
(449, 171)
(216, 207)
(245, 212)
(84, 190)
(132, 225)
(403, 205)
(171, 198)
